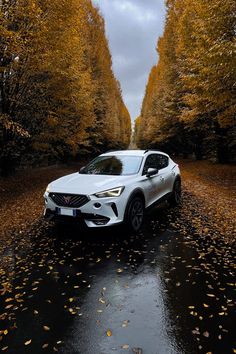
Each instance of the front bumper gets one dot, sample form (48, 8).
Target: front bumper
(97, 212)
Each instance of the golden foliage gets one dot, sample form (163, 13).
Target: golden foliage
(57, 81)
(190, 99)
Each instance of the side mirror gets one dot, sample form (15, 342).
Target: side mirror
(81, 169)
(151, 172)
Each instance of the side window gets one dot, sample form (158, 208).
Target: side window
(163, 161)
(151, 162)
(155, 161)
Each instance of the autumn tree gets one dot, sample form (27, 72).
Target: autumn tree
(20, 22)
(59, 96)
(207, 65)
(189, 104)
(162, 102)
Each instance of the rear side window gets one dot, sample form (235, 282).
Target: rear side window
(155, 161)
(163, 161)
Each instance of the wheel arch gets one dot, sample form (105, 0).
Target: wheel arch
(135, 193)
(177, 178)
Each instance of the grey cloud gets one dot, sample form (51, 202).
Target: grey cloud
(132, 28)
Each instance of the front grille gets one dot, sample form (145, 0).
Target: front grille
(69, 200)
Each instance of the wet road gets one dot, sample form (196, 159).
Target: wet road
(102, 292)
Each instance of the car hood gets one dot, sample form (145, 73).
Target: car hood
(86, 184)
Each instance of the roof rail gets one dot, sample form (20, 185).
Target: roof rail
(151, 150)
(113, 150)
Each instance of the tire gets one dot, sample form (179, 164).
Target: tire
(135, 214)
(176, 196)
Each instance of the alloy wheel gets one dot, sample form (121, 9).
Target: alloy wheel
(136, 214)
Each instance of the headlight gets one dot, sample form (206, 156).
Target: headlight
(115, 192)
(48, 189)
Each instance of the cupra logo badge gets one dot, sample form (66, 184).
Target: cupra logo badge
(67, 199)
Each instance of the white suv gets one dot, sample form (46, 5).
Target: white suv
(115, 187)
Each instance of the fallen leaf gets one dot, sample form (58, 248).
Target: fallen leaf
(8, 306)
(125, 346)
(46, 328)
(28, 342)
(206, 334)
(109, 333)
(119, 270)
(125, 323)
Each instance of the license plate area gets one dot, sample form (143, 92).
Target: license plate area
(67, 212)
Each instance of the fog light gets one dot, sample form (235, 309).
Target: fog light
(100, 222)
(97, 205)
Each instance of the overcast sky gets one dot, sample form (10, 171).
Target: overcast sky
(132, 28)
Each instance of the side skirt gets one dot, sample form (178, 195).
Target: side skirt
(159, 201)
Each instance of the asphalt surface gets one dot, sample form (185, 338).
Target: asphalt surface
(70, 290)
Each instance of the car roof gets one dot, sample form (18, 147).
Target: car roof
(132, 152)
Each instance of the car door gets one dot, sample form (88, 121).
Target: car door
(152, 186)
(164, 174)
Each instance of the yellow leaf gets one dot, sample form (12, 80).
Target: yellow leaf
(28, 342)
(109, 333)
(8, 306)
(73, 312)
(119, 270)
(46, 328)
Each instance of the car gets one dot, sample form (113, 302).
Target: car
(115, 187)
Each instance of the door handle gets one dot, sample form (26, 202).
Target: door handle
(162, 179)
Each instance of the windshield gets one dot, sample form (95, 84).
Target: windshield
(113, 165)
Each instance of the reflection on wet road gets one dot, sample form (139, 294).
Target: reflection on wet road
(76, 291)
